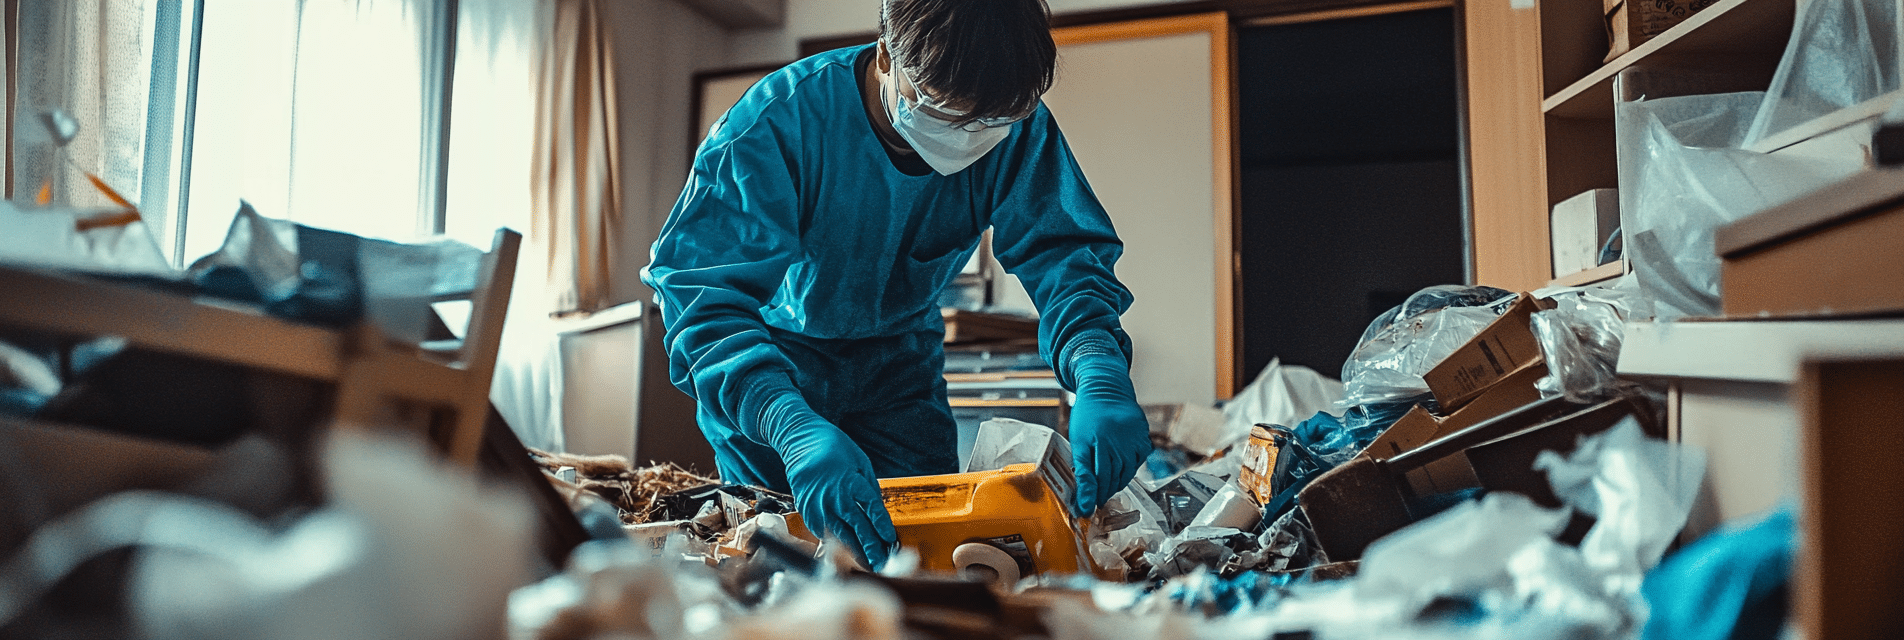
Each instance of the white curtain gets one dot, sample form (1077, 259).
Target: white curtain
(316, 111)
(92, 60)
(492, 134)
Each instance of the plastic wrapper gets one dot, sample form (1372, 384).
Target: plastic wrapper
(1211, 548)
(1407, 341)
(1682, 175)
(1841, 53)
(1230, 507)
(374, 563)
(1125, 528)
(1281, 394)
(1288, 543)
(1580, 339)
(52, 238)
(1184, 496)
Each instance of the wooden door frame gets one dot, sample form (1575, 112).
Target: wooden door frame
(1223, 147)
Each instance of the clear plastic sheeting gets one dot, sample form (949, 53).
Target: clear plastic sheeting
(1407, 341)
(1683, 174)
(1282, 394)
(1841, 53)
(1580, 339)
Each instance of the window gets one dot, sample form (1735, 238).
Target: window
(341, 114)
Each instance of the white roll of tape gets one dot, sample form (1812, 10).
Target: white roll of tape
(986, 561)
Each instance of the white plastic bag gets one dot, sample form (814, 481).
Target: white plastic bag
(1281, 394)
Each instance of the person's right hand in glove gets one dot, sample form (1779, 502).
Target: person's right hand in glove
(832, 480)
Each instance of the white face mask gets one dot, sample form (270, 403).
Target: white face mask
(945, 146)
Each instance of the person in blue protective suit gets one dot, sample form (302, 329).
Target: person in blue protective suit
(799, 272)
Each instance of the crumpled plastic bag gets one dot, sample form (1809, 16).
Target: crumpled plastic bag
(1640, 489)
(1125, 528)
(1281, 394)
(1407, 341)
(1580, 340)
(613, 592)
(376, 562)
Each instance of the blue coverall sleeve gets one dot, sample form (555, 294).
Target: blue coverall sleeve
(1051, 232)
(723, 252)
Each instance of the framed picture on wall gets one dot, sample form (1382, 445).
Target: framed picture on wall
(714, 92)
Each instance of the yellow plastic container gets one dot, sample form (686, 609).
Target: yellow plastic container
(1002, 525)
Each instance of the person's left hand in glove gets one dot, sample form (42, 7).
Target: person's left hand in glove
(1110, 437)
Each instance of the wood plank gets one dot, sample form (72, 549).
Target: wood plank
(1730, 26)
(1828, 123)
(1857, 195)
(82, 306)
(1847, 574)
(1506, 152)
(1597, 274)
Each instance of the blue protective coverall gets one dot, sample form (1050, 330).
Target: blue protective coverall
(800, 254)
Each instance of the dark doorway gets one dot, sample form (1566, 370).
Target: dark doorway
(1351, 192)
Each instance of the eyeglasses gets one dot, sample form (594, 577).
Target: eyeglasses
(937, 109)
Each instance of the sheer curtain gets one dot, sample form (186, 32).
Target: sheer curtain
(317, 111)
(577, 174)
(93, 60)
(492, 134)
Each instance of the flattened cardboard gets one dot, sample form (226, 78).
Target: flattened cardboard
(1505, 345)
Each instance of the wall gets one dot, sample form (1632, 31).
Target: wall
(659, 45)
(811, 18)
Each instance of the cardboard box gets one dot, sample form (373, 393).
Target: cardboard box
(1504, 346)
(1831, 253)
(1506, 463)
(1418, 427)
(1259, 465)
(1579, 226)
(1367, 498)
(1631, 24)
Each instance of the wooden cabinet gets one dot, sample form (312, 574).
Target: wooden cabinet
(1540, 109)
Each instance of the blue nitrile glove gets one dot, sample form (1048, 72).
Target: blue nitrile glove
(1109, 435)
(832, 480)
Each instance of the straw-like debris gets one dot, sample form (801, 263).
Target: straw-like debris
(634, 492)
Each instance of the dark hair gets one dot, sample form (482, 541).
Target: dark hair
(996, 55)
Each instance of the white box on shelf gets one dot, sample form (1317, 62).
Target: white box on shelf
(1580, 225)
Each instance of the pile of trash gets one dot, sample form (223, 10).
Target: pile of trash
(1235, 528)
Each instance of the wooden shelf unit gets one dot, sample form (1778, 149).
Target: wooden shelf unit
(1543, 132)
